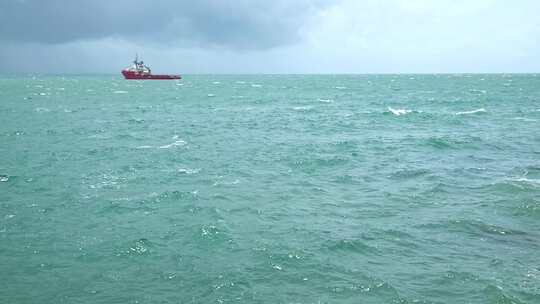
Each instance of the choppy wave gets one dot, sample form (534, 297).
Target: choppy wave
(478, 91)
(439, 142)
(188, 171)
(226, 182)
(176, 143)
(42, 110)
(303, 109)
(353, 245)
(475, 227)
(409, 173)
(139, 247)
(326, 100)
(481, 110)
(399, 112)
(515, 186)
(528, 181)
(251, 194)
(524, 119)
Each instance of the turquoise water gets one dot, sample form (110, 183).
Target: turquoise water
(270, 189)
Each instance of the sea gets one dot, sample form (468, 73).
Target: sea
(270, 189)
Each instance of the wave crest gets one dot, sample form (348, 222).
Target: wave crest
(481, 110)
(399, 112)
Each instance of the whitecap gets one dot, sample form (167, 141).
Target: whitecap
(530, 181)
(234, 182)
(4, 178)
(256, 85)
(174, 144)
(144, 147)
(302, 108)
(524, 119)
(216, 82)
(326, 100)
(42, 110)
(481, 110)
(399, 112)
(211, 95)
(188, 171)
(340, 88)
(120, 92)
(478, 91)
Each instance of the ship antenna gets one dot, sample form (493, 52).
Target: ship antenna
(136, 58)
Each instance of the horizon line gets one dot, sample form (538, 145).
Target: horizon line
(281, 74)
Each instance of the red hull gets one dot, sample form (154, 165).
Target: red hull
(143, 76)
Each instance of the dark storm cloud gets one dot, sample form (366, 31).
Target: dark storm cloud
(251, 24)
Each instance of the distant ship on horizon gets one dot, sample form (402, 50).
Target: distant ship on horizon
(138, 70)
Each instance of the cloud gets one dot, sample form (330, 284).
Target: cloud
(240, 24)
(426, 36)
(279, 36)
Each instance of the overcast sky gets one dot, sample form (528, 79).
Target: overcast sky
(278, 36)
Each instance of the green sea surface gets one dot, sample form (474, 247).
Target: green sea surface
(270, 189)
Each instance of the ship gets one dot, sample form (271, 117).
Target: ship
(138, 70)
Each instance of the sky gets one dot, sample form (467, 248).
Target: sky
(278, 36)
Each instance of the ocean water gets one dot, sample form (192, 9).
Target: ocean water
(270, 189)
